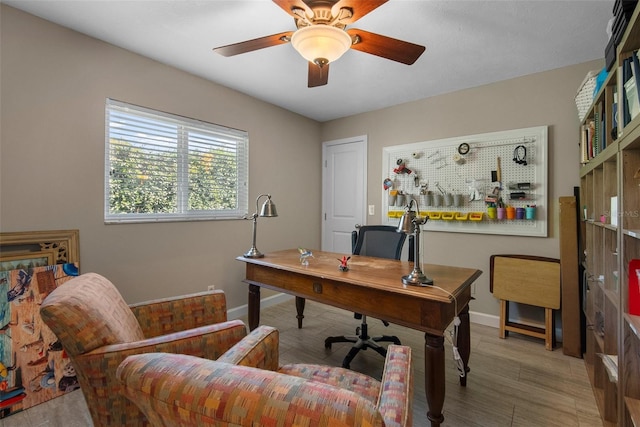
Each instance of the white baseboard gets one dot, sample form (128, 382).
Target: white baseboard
(243, 310)
(484, 319)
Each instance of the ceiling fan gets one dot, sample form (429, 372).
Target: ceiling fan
(321, 36)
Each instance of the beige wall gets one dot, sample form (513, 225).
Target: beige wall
(53, 88)
(539, 99)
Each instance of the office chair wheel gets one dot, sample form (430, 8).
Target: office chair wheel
(392, 339)
(358, 330)
(327, 345)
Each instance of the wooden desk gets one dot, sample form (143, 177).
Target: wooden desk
(373, 287)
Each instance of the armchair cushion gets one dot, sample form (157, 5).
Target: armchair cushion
(393, 396)
(67, 313)
(164, 316)
(363, 385)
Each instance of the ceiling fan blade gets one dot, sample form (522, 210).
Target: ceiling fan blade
(289, 5)
(359, 8)
(385, 47)
(255, 44)
(318, 76)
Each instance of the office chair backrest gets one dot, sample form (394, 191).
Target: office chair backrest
(382, 241)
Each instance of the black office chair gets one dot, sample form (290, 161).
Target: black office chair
(382, 241)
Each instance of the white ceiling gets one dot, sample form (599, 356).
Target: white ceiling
(469, 43)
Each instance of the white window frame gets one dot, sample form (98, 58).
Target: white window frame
(118, 116)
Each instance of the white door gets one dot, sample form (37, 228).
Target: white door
(344, 191)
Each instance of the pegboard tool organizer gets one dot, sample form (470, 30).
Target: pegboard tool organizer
(456, 179)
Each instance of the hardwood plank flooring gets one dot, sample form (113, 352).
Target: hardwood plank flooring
(513, 382)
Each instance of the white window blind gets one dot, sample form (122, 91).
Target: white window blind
(163, 167)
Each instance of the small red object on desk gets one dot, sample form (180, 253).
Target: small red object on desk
(343, 263)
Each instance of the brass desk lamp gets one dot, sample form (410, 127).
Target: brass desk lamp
(268, 210)
(410, 224)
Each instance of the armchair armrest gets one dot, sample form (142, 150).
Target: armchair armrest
(220, 393)
(259, 349)
(167, 315)
(396, 393)
(96, 369)
(209, 342)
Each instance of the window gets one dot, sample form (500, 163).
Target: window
(162, 167)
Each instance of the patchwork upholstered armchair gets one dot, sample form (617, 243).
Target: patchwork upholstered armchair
(98, 330)
(180, 390)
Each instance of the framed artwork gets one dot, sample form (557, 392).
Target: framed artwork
(26, 260)
(64, 243)
(33, 367)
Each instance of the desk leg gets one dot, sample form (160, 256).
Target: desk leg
(434, 377)
(300, 310)
(254, 306)
(464, 342)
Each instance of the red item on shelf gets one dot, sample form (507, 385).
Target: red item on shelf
(634, 287)
(12, 401)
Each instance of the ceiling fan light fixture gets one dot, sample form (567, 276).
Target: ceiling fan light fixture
(321, 44)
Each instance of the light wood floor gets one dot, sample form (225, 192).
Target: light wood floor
(513, 382)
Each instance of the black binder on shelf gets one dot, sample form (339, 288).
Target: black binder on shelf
(631, 83)
(636, 70)
(626, 102)
(622, 10)
(622, 6)
(610, 54)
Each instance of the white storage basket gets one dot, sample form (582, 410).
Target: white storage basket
(584, 98)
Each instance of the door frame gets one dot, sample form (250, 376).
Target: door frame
(325, 188)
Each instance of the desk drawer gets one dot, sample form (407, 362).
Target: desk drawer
(403, 309)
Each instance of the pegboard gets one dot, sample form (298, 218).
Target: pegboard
(455, 188)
